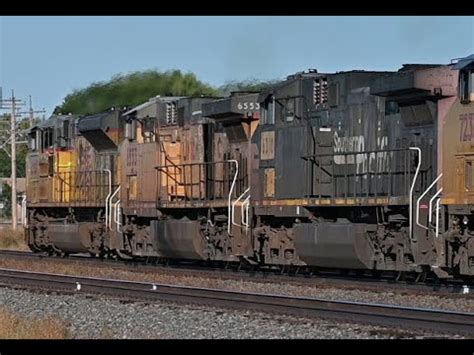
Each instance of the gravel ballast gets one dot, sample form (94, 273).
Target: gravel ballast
(460, 303)
(88, 317)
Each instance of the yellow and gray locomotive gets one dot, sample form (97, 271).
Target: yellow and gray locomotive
(358, 170)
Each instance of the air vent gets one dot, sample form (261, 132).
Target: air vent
(171, 113)
(320, 91)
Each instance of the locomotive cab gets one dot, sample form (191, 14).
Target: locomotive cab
(71, 171)
(456, 227)
(51, 152)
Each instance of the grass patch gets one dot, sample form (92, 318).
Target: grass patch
(13, 240)
(13, 326)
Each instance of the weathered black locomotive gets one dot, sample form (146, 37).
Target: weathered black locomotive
(323, 170)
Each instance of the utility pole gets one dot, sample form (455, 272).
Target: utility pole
(32, 113)
(13, 152)
(14, 104)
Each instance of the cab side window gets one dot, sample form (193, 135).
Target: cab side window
(268, 114)
(148, 129)
(466, 85)
(32, 141)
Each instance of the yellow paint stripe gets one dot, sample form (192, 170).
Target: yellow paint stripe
(324, 201)
(448, 201)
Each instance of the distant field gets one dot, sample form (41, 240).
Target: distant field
(14, 326)
(10, 239)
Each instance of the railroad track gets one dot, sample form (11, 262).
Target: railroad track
(385, 315)
(328, 279)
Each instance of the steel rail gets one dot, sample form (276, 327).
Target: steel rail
(326, 279)
(367, 313)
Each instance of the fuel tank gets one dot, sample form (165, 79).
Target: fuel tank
(333, 245)
(71, 238)
(180, 239)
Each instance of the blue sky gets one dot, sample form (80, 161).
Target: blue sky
(48, 57)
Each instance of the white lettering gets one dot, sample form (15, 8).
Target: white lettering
(378, 161)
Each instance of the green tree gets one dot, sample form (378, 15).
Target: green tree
(245, 85)
(132, 89)
(6, 199)
(21, 149)
(5, 171)
(137, 87)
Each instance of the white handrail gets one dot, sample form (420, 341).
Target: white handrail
(117, 215)
(24, 220)
(437, 218)
(107, 197)
(244, 218)
(110, 207)
(230, 194)
(419, 200)
(410, 196)
(247, 209)
(430, 217)
(242, 206)
(235, 203)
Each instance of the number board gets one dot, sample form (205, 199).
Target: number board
(248, 106)
(245, 103)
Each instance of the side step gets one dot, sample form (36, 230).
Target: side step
(441, 273)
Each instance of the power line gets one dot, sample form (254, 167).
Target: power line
(31, 112)
(13, 104)
(9, 137)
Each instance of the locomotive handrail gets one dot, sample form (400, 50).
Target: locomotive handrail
(438, 200)
(307, 157)
(109, 226)
(172, 163)
(430, 217)
(419, 200)
(235, 203)
(174, 179)
(82, 186)
(245, 221)
(230, 195)
(108, 196)
(200, 178)
(80, 171)
(369, 168)
(198, 163)
(410, 195)
(24, 220)
(117, 215)
(437, 218)
(163, 149)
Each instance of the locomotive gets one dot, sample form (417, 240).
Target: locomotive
(355, 170)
